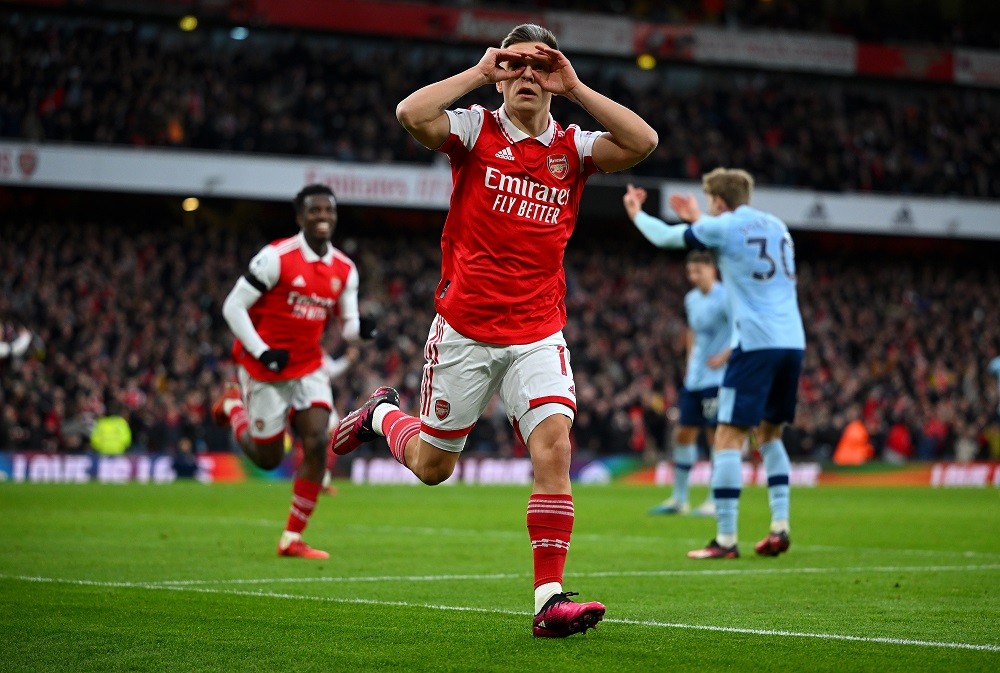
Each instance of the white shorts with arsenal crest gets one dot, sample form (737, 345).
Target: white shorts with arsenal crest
(534, 380)
(268, 402)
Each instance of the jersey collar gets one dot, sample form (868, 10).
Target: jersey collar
(310, 255)
(517, 135)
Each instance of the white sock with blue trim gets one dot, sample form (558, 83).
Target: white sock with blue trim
(777, 466)
(727, 482)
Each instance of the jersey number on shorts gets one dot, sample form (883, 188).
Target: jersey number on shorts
(710, 407)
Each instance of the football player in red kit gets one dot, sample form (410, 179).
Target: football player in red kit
(518, 177)
(278, 311)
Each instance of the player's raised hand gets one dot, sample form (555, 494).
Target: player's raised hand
(633, 199)
(558, 76)
(490, 65)
(685, 206)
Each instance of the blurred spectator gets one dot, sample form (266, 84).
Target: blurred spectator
(17, 347)
(855, 447)
(994, 368)
(991, 437)
(111, 435)
(185, 462)
(898, 443)
(966, 448)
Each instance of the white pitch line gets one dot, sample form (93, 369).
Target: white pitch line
(338, 580)
(905, 552)
(604, 574)
(801, 634)
(459, 608)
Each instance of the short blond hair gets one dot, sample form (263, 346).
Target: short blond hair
(732, 185)
(700, 257)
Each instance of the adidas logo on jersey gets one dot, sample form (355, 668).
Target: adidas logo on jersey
(299, 282)
(505, 153)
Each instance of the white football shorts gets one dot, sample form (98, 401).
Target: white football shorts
(534, 380)
(268, 402)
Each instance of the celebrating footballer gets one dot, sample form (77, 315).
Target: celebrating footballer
(518, 178)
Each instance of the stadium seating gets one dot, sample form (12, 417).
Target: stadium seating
(331, 96)
(129, 316)
(918, 23)
(130, 321)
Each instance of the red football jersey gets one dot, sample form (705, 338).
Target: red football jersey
(293, 313)
(513, 207)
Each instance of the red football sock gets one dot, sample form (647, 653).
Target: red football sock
(399, 429)
(550, 525)
(239, 422)
(304, 494)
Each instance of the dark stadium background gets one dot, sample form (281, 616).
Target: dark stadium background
(900, 327)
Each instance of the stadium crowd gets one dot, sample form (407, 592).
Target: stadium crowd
(135, 83)
(127, 322)
(916, 22)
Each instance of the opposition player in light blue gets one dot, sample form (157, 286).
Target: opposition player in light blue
(708, 336)
(759, 387)
(994, 368)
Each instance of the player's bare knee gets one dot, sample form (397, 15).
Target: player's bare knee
(767, 431)
(433, 477)
(431, 464)
(267, 455)
(267, 460)
(314, 451)
(549, 441)
(729, 437)
(551, 462)
(434, 473)
(315, 442)
(686, 434)
(557, 450)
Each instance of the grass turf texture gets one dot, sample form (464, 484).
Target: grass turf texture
(185, 577)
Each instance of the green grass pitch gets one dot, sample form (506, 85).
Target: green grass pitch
(184, 577)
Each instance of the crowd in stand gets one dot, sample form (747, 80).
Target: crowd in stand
(916, 22)
(127, 322)
(126, 318)
(122, 82)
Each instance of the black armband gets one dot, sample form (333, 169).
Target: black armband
(255, 282)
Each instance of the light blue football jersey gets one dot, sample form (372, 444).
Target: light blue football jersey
(994, 368)
(757, 260)
(708, 318)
